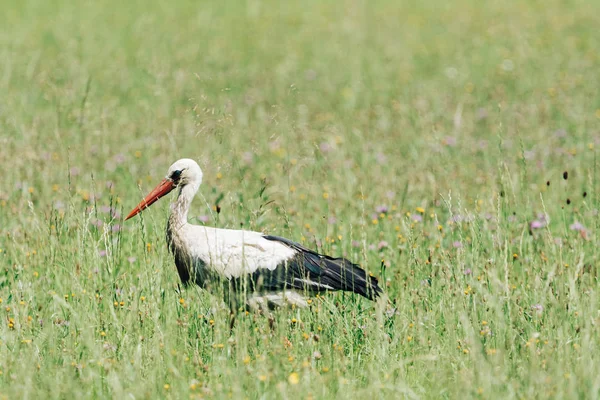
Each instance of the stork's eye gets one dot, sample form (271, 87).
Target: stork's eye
(176, 175)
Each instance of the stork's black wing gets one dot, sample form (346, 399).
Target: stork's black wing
(313, 272)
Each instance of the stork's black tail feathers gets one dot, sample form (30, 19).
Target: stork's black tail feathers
(327, 273)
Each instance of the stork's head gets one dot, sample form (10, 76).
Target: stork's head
(182, 173)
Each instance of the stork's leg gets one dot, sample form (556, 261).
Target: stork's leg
(231, 321)
(271, 323)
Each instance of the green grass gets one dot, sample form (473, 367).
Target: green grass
(305, 117)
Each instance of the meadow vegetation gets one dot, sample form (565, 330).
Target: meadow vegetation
(449, 147)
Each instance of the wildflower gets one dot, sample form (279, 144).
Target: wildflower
(457, 244)
(325, 195)
(467, 271)
(537, 224)
(131, 259)
(204, 218)
(576, 226)
(417, 218)
(449, 141)
(382, 245)
(102, 253)
(166, 386)
(294, 378)
(381, 158)
(420, 210)
(537, 308)
(382, 209)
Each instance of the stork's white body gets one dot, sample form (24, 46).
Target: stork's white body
(230, 253)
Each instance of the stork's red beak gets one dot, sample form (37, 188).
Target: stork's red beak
(159, 191)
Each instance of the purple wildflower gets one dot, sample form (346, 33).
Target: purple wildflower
(131, 259)
(325, 147)
(560, 133)
(537, 308)
(457, 218)
(382, 245)
(204, 218)
(537, 224)
(457, 244)
(248, 157)
(355, 243)
(416, 217)
(467, 271)
(449, 141)
(482, 114)
(102, 253)
(116, 228)
(576, 226)
(382, 209)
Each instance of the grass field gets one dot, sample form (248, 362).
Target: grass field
(449, 147)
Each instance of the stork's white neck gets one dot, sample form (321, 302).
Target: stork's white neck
(181, 206)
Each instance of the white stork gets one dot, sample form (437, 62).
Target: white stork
(262, 270)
